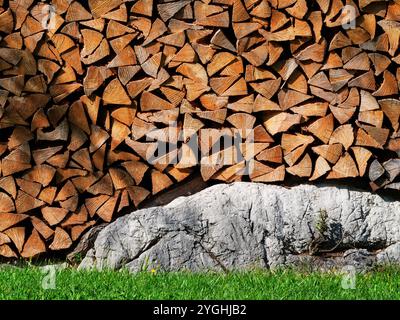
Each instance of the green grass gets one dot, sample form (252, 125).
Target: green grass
(26, 283)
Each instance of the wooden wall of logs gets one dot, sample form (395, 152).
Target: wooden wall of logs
(88, 89)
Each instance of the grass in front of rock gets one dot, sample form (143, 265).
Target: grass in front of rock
(34, 283)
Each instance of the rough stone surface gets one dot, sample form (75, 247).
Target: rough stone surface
(84, 245)
(248, 225)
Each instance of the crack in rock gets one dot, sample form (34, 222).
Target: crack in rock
(243, 226)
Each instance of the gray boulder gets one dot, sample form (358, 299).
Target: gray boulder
(248, 225)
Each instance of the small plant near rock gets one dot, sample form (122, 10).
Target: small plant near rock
(153, 271)
(146, 266)
(78, 258)
(322, 222)
(322, 227)
(324, 235)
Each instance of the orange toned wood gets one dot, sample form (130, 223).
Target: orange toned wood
(33, 246)
(7, 252)
(344, 168)
(61, 240)
(160, 181)
(10, 219)
(344, 135)
(77, 231)
(281, 122)
(321, 168)
(303, 168)
(322, 128)
(54, 215)
(137, 194)
(45, 231)
(26, 202)
(234, 89)
(6, 203)
(275, 175)
(17, 236)
(103, 186)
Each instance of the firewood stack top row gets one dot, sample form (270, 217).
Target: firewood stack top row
(91, 90)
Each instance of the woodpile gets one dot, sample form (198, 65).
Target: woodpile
(91, 90)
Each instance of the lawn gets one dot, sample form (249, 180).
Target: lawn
(28, 283)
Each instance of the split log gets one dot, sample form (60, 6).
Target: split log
(61, 240)
(106, 104)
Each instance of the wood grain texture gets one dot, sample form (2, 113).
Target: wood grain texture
(107, 106)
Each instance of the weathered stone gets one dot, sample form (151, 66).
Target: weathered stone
(85, 243)
(391, 255)
(248, 225)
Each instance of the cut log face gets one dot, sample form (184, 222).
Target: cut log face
(33, 246)
(6, 203)
(109, 102)
(54, 216)
(61, 240)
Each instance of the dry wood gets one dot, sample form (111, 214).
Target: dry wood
(45, 231)
(61, 240)
(90, 96)
(33, 246)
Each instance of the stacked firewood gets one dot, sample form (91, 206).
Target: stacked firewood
(104, 103)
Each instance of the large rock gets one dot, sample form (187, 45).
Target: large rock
(247, 225)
